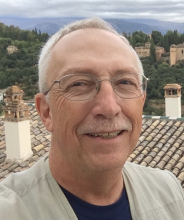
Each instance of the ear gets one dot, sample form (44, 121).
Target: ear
(144, 98)
(44, 111)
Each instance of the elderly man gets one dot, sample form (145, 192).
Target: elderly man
(92, 92)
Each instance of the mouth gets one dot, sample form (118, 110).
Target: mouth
(107, 135)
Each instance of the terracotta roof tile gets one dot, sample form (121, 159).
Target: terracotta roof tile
(31, 164)
(166, 158)
(151, 144)
(148, 159)
(176, 171)
(2, 174)
(39, 147)
(169, 166)
(162, 145)
(153, 163)
(176, 157)
(182, 160)
(161, 164)
(181, 176)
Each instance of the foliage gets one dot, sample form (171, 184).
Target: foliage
(20, 67)
(152, 51)
(138, 38)
(161, 74)
(150, 110)
(1, 107)
(15, 33)
(171, 37)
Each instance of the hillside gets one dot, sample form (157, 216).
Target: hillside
(20, 67)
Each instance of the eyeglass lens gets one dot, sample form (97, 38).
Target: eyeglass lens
(85, 86)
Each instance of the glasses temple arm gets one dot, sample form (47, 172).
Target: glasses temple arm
(56, 81)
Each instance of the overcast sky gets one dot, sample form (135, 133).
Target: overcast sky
(171, 10)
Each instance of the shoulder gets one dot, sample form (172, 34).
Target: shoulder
(147, 172)
(19, 188)
(152, 176)
(33, 194)
(20, 183)
(153, 191)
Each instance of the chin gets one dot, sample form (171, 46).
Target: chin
(106, 163)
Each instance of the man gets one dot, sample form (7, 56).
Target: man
(92, 92)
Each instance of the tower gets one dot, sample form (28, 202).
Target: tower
(173, 58)
(173, 100)
(17, 126)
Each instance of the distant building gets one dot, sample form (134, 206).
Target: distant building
(144, 51)
(176, 53)
(159, 51)
(12, 49)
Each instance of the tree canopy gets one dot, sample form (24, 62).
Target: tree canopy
(20, 67)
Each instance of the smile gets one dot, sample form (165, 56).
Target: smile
(106, 135)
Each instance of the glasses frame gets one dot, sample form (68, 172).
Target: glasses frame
(99, 84)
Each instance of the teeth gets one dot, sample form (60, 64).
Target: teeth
(106, 135)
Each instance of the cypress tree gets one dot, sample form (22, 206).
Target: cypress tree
(152, 51)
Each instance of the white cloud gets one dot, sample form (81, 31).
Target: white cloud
(163, 10)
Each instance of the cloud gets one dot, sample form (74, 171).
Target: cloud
(172, 10)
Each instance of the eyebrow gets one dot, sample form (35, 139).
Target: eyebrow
(74, 70)
(126, 70)
(78, 70)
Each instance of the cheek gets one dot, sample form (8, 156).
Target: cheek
(67, 115)
(133, 110)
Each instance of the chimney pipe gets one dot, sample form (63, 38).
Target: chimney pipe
(173, 100)
(17, 126)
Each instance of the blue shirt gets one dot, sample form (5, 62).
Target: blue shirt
(120, 210)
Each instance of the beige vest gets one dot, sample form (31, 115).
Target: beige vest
(35, 195)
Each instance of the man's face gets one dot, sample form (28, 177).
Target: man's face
(100, 133)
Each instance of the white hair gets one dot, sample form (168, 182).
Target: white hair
(45, 55)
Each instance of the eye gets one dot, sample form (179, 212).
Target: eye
(126, 82)
(81, 84)
(78, 84)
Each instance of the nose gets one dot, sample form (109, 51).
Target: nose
(106, 102)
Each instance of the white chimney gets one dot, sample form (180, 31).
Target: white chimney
(17, 126)
(173, 100)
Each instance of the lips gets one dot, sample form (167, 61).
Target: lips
(106, 135)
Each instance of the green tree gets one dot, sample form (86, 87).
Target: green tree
(156, 37)
(152, 51)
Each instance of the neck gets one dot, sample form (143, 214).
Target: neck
(94, 187)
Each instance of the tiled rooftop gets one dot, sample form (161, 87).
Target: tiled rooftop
(161, 145)
(40, 142)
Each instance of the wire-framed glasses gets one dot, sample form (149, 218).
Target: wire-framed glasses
(80, 87)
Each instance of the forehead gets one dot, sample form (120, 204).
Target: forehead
(97, 49)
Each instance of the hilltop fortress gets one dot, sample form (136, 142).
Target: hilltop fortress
(176, 52)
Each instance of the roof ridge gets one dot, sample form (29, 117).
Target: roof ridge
(162, 117)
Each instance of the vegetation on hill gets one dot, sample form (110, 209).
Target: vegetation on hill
(15, 33)
(138, 38)
(159, 75)
(20, 68)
